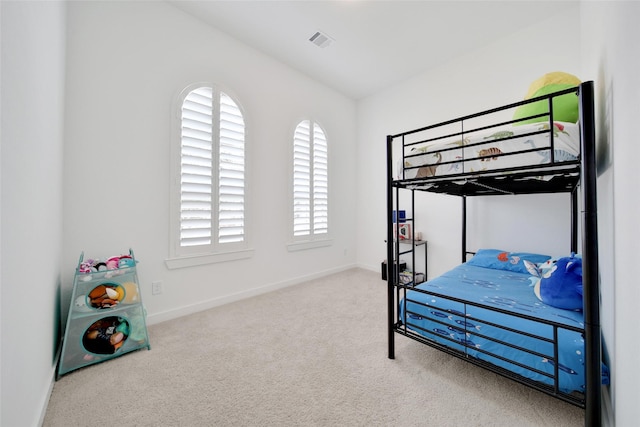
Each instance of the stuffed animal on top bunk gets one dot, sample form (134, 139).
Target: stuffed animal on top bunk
(565, 107)
(560, 283)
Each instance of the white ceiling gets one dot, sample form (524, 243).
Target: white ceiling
(376, 43)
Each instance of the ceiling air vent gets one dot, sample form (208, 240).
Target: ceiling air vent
(320, 39)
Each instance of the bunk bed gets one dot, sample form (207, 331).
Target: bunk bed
(485, 314)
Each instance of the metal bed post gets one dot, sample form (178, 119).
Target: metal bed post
(590, 274)
(574, 220)
(390, 258)
(412, 235)
(464, 228)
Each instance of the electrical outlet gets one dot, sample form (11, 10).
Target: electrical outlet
(156, 288)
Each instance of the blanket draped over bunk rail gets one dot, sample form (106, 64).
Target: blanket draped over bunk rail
(492, 317)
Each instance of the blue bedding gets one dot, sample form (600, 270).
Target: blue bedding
(477, 331)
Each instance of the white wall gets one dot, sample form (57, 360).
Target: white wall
(127, 61)
(610, 33)
(33, 51)
(498, 74)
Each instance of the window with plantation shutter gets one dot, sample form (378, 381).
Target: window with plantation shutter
(310, 182)
(209, 198)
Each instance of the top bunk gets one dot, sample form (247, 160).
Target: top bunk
(527, 147)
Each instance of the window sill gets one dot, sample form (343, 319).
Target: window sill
(195, 260)
(308, 244)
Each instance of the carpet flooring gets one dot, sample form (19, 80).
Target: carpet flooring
(313, 354)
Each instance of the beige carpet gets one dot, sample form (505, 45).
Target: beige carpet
(314, 354)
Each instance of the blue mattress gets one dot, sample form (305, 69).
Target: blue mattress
(477, 332)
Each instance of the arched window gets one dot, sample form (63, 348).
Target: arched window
(209, 197)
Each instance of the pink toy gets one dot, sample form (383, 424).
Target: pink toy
(113, 263)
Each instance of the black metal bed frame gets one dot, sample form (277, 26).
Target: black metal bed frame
(566, 177)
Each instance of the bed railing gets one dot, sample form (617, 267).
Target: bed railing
(565, 172)
(404, 326)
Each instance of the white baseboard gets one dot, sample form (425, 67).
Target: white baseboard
(226, 299)
(45, 404)
(375, 268)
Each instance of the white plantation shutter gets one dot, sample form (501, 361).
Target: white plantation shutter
(310, 180)
(196, 165)
(302, 180)
(320, 182)
(212, 164)
(231, 175)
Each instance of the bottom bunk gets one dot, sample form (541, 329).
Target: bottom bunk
(487, 312)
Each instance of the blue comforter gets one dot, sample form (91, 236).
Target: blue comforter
(527, 344)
